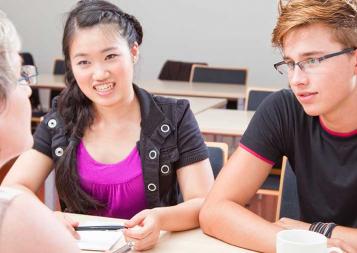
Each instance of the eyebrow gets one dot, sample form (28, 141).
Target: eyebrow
(102, 51)
(307, 54)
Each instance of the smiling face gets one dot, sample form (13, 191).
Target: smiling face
(102, 64)
(331, 88)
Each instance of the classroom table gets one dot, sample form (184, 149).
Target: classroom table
(160, 87)
(49, 81)
(224, 122)
(175, 242)
(194, 89)
(198, 104)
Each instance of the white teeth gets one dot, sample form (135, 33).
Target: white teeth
(104, 87)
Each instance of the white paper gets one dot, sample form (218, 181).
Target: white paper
(98, 240)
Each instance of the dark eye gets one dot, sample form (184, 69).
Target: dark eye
(111, 56)
(84, 62)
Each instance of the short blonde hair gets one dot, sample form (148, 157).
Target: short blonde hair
(9, 43)
(339, 15)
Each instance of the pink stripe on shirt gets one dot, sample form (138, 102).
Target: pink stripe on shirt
(256, 154)
(354, 132)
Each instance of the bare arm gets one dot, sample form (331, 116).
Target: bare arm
(195, 181)
(224, 215)
(28, 226)
(29, 171)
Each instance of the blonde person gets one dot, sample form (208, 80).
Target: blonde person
(314, 124)
(26, 225)
(117, 150)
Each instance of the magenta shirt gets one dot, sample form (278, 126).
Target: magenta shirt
(120, 185)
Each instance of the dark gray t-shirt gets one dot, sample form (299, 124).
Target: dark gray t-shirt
(325, 163)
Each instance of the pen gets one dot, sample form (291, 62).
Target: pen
(106, 227)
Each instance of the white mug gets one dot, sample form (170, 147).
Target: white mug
(298, 241)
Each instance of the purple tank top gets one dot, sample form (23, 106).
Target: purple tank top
(119, 185)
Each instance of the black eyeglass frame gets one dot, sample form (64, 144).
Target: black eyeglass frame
(319, 59)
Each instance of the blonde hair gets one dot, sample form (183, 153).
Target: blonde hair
(9, 43)
(339, 15)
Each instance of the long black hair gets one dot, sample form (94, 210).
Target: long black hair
(75, 108)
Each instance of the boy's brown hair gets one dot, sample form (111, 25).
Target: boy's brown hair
(339, 15)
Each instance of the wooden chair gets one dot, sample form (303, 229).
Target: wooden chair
(255, 96)
(271, 185)
(265, 202)
(177, 70)
(218, 155)
(288, 201)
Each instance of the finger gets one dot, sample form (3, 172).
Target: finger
(136, 219)
(73, 232)
(138, 233)
(74, 223)
(145, 243)
(345, 247)
(69, 224)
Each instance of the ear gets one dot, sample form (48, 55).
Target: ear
(135, 52)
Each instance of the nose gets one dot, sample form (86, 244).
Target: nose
(100, 72)
(297, 77)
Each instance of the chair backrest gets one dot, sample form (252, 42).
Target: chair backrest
(288, 201)
(177, 70)
(255, 97)
(27, 58)
(218, 155)
(218, 75)
(59, 67)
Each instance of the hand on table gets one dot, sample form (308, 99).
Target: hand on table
(339, 243)
(68, 223)
(288, 223)
(143, 229)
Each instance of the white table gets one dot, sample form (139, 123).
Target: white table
(159, 87)
(224, 122)
(200, 104)
(49, 81)
(195, 89)
(177, 242)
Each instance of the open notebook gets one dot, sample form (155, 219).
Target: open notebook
(99, 240)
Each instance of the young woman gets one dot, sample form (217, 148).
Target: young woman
(314, 124)
(21, 213)
(117, 150)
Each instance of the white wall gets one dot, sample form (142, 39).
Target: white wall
(233, 33)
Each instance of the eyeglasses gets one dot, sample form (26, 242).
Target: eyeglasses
(308, 65)
(28, 75)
